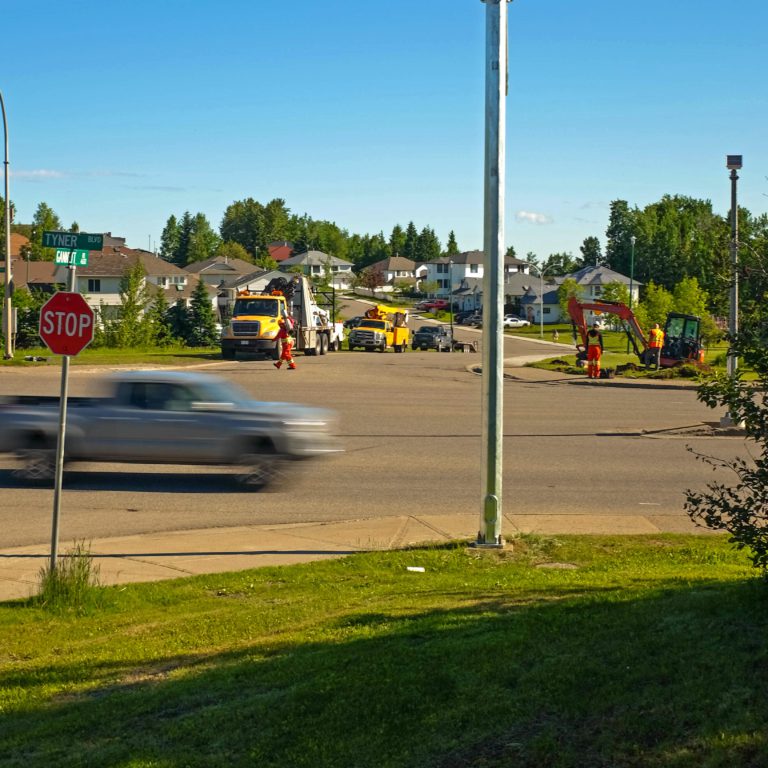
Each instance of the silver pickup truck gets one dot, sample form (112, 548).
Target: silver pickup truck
(167, 417)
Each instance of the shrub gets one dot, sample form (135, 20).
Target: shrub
(740, 508)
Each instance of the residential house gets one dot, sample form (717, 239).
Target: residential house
(34, 275)
(396, 271)
(217, 271)
(316, 264)
(541, 297)
(256, 280)
(99, 281)
(449, 271)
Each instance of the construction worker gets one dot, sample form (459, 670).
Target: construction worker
(655, 343)
(594, 351)
(286, 345)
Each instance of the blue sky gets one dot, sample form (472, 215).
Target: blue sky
(372, 114)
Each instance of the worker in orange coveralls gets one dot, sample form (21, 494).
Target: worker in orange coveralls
(655, 343)
(286, 345)
(594, 351)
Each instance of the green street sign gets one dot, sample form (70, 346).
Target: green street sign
(75, 257)
(80, 241)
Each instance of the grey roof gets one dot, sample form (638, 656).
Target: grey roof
(600, 275)
(219, 266)
(472, 257)
(312, 258)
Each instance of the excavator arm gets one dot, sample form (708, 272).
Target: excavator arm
(635, 333)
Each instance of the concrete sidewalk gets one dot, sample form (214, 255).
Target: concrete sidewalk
(176, 554)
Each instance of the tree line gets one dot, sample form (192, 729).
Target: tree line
(674, 238)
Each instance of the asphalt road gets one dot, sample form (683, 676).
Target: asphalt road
(411, 426)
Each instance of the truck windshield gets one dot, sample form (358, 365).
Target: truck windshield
(380, 324)
(266, 306)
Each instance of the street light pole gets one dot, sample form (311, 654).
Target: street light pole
(450, 288)
(631, 276)
(733, 163)
(7, 308)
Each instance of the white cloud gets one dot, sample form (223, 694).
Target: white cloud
(42, 173)
(534, 218)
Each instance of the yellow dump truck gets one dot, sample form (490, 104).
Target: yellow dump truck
(381, 327)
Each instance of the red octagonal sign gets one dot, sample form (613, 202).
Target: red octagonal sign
(66, 323)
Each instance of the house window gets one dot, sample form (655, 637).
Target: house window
(441, 268)
(94, 286)
(162, 282)
(473, 268)
(597, 290)
(547, 310)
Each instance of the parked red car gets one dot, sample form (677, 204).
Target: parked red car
(432, 304)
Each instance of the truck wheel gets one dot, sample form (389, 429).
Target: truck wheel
(275, 355)
(334, 346)
(263, 470)
(314, 351)
(324, 345)
(351, 348)
(383, 347)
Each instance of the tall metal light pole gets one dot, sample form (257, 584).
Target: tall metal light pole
(631, 276)
(541, 299)
(450, 288)
(489, 534)
(7, 308)
(733, 163)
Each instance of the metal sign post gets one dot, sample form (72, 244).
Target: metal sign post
(66, 326)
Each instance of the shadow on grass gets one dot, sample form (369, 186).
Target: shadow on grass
(675, 678)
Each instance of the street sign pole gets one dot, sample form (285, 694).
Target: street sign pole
(59, 477)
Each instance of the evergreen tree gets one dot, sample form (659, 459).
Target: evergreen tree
(510, 253)
(202, 319)
(160, 321)
(591, 256)
(179, 320)
(427, 245)
(169, 240)
(452, 246)
(410, 245)
(131, 328)
(186, 230)
(397, 241)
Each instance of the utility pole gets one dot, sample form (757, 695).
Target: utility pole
(7, 307)
(733, 163)
(489, 534)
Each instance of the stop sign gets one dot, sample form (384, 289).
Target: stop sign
(66, 323)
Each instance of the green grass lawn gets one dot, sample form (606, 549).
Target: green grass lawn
(158, 356)
(576, 651)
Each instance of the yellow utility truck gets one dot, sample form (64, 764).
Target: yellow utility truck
(381, 327)
(254, 324)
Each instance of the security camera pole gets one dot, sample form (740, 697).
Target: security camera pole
(489, 534)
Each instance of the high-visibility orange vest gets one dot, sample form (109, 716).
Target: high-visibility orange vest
(657, 338)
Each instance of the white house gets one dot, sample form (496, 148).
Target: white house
(449, 271)
(99, 281)
(315, 264)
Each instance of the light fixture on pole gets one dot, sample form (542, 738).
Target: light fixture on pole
(7, 305)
